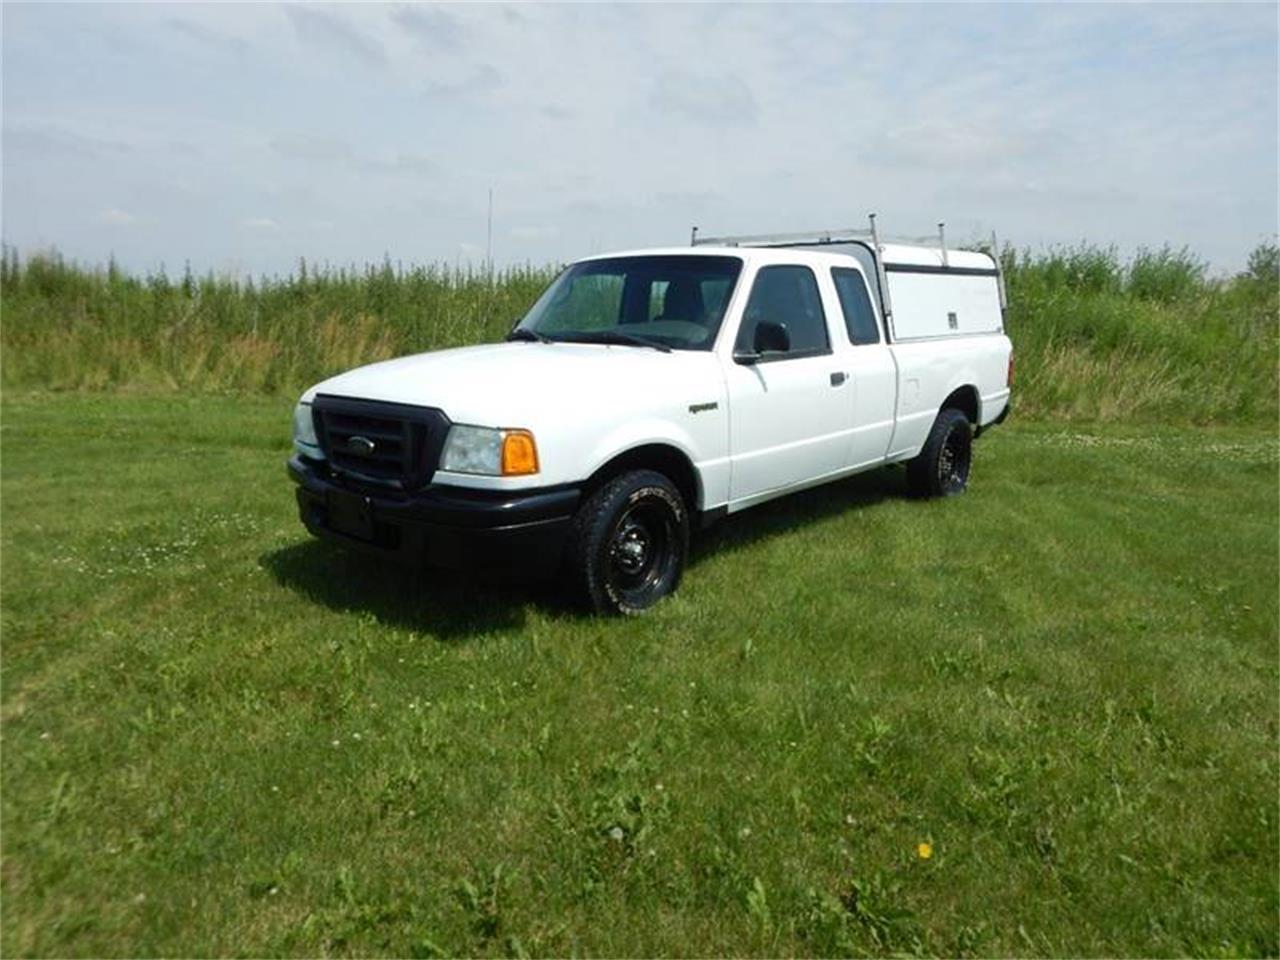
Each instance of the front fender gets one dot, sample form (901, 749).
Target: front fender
(703, 443)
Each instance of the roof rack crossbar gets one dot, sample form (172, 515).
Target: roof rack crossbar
(810, 238)
(843, 235)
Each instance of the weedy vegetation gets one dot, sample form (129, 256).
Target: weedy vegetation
(1097, 339)
(66, 327)
(1149, 341)
(1040, 718)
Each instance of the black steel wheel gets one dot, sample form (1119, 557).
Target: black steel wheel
(629, 543)
(942, 467)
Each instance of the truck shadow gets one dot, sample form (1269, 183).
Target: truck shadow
(789, 513)
(452, 606)
(456, 606)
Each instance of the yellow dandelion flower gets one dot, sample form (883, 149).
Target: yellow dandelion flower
(924, 850)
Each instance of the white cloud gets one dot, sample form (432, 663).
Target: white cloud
(533, 233)
(331, 32)
(477, 81)
(213, 38)
(432, 25)
(719, 101)
(115, 217)
(260, 224)
(312, 148)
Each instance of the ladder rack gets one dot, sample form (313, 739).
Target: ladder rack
(811, 238)
(821, 238)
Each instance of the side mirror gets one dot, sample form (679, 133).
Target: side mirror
(769, 338)
(772, 337)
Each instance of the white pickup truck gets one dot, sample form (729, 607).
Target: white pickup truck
(651, 392)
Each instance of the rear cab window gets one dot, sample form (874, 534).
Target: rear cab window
(855, 301)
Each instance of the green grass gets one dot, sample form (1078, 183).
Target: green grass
(1096, 338)
(221, 737)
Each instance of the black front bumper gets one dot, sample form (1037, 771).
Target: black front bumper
(509, 531)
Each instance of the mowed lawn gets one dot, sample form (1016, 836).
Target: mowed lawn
(221, 737)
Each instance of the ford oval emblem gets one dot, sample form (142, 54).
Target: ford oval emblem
(361, 446)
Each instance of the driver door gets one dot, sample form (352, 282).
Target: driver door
(790, 410)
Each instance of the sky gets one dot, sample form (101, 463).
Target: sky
(241, 137)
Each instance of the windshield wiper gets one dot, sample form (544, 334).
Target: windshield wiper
(524, 333)
(614, 337)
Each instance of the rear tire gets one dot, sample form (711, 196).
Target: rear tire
(942, 468)
(629, 542)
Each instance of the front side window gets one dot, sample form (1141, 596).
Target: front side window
(859, 318)
(675, 302)
(786, 295)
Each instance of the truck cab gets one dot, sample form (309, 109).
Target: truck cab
(648, 393)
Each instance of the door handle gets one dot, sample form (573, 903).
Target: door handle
(838, 378)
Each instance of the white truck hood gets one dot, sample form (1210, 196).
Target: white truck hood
(523, 384)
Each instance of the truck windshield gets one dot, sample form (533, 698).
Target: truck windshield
(674, 302)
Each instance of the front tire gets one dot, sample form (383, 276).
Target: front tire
(941, 469)
(629, 542)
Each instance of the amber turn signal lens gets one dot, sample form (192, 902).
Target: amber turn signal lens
(519, 453)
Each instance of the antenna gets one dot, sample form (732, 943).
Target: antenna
(488, 240)
(693, 236)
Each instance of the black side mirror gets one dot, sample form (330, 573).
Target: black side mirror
(769, 338)
(772, 337)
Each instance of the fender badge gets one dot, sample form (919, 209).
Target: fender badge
(699, 407)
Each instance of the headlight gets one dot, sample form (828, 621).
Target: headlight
(304, 431)
(489, 451)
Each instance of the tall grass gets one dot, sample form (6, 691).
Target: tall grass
(66, 327)
(1096, 337)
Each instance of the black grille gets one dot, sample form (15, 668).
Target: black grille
(388, 445)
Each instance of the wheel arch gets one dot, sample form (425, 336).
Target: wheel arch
(967, 401)
(669, 460)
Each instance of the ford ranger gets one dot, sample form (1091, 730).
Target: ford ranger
(647, 394)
